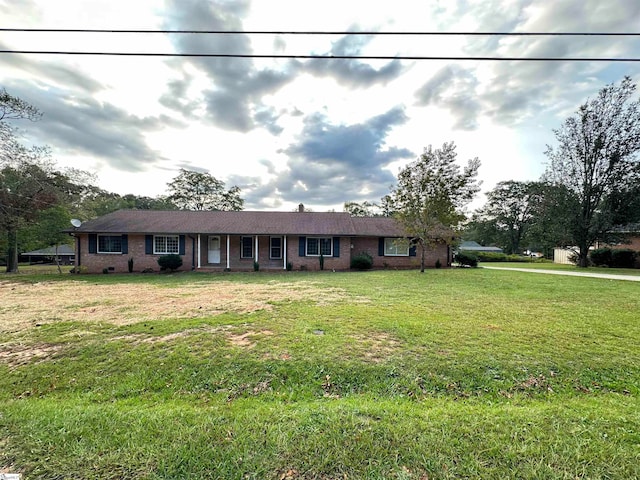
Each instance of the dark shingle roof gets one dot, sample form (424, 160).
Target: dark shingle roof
(240, 223)
(476, 247)
(63, 251)
(376, 227)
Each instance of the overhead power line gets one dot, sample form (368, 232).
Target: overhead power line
(317, 56)
(328, 57)
(321, 32)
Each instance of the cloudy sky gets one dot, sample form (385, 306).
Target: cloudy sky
(316, 131)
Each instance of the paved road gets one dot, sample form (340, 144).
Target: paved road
(608, 276)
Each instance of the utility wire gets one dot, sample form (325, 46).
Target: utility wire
(327, 32)
(329, 57)
(314, 56)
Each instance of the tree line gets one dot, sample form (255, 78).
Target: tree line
(38, 200)
(590, 189)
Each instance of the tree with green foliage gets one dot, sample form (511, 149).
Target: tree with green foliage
(509, 213)
(36, 199)
(94, 201)
(596, 157)
(28, 187)
(554, 219)
(362, 209)
(431, 194)
(47, 230)
(191, 190)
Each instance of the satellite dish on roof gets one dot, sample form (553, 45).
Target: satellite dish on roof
(75, 222)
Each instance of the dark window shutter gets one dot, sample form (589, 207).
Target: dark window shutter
(181, 245)
(148, 244)
(302, 246)
(93, 243)
(412, 251)
(336, 246)
(124, 244)
(381, 247)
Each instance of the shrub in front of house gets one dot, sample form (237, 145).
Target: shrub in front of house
(170, 262)
(613, 257)
(466, 259)
(623, 258)
(601, 257)
(362, 261)
(491, 257)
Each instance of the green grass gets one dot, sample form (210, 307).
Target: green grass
(459, 373)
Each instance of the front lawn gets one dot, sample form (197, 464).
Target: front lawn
(447, 374)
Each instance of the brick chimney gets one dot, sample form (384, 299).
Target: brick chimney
(301, 208)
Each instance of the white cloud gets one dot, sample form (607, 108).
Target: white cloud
(135, 121)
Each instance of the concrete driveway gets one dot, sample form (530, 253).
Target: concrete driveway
(608, 276)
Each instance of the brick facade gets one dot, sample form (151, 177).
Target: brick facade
(118, 262)
(370, 245)
(348, 246)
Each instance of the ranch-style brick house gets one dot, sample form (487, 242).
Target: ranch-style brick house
(218, 241)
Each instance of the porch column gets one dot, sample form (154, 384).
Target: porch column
(284, 253)
(228, 243)
(199, 246)
(257, 249)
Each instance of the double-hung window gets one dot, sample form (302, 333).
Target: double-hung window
(317, 246)
(396, 247)
(109, 243)
(166, 244)
(246, 247)
(275, 247)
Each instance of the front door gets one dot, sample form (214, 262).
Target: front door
(214, 250)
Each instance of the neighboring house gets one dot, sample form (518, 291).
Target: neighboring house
(470, 246)
(235, 240)
(65, 254)
(631, 234)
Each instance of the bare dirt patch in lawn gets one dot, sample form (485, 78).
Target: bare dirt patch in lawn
(23, 306)
(247, 339)
(238, 336)
(17, 354)
(377, 346)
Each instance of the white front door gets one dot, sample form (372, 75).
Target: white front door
(214, 250)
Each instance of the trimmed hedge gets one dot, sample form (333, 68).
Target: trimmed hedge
(501, 257)
(170, 262)
(613, 257)
(362, 261)
(623, 258)
(467, 259)
(600, 257)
